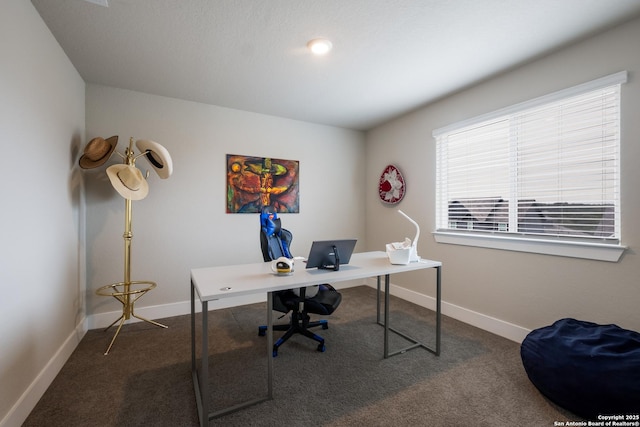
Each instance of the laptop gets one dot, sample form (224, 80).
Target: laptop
(330, 254)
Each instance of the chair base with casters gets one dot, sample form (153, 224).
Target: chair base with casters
(323, 303)
(300, 324)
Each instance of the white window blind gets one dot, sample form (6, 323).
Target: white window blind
(547, 168)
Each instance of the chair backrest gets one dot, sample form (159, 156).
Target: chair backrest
(275, 241)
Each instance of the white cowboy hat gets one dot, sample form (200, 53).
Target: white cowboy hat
(97, 152)
(158, 156)
(128, 181)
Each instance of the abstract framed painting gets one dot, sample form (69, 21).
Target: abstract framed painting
(254, 183)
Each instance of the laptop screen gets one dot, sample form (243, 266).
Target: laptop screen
(330, 254)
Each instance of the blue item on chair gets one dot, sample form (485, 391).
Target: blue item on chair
(275, 242)
(586, 368)
(273, 237)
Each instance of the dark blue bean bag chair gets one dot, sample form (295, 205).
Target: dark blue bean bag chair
(586, 368)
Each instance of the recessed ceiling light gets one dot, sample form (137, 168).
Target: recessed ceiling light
(319, 46)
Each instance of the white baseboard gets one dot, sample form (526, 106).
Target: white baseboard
(102, 320)
(25, 404)
(491, 324)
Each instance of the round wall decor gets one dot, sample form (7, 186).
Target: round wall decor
(391, 186)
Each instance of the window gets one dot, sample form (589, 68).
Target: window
(546, 170)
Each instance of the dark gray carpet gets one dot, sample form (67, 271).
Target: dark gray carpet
(478, 380)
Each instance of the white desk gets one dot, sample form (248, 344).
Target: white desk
(216, 283)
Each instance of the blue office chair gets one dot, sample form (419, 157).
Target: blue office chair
(275, 242)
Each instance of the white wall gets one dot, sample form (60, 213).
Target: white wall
(522, 289)
(41, 256)
(183, 224)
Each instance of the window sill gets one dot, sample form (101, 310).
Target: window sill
(586, 250)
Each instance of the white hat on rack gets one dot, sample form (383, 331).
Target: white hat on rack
(158, 157)
(128, 181)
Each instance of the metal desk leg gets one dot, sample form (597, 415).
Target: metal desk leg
(201, 377)
(200, 381)
(204, 366)
(269, 345)
(438, 309)
(193, 328)
(378, 301)
(388, 328)
(386, 316)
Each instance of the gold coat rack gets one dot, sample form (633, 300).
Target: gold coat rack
(130, 183)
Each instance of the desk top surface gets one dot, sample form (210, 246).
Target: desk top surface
(212, 283)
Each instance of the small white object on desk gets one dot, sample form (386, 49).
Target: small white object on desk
(404, 252)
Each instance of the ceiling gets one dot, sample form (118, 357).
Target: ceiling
(389, 56)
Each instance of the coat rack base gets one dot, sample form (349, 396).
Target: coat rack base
(127, 293)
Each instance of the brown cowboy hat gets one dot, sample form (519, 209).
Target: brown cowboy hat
(97, 152)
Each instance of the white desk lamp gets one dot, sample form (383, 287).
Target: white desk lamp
(407, 251)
